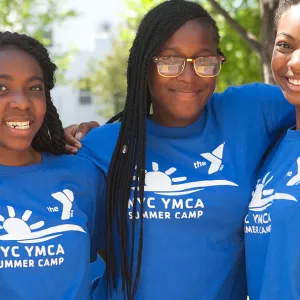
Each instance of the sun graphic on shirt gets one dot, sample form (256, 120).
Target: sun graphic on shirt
(161, 180)
(18, 227)
(164, 183)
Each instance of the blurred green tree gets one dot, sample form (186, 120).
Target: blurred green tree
(36, 18)
(247, 35)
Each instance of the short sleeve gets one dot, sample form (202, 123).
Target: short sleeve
(99, 144)
(279, 114)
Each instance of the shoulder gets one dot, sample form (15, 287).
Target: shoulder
(254, 91)
(73, 164)
(99, 144)
(97, 135)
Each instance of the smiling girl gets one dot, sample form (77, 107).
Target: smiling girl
(48, 216)
(273, 222)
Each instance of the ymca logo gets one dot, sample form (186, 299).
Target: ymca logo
(18, 229)
(215, 159)
(295, 180)
(263, 198)
(66, 198)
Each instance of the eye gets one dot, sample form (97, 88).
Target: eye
(283, 46)
(3, 88)
(36, 88)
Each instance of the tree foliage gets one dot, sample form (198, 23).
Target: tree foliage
(36, 18)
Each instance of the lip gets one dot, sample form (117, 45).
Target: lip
(186, 94)
(292, 87)
(18, 133)
(18, 119)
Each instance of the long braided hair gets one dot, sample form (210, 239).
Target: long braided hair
(50, 138)
(129, 155)
(283, 6)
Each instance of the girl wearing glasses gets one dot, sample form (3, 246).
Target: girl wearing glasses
(179, 180)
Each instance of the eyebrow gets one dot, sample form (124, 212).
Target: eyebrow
(286, 34)
(30, 79)
(177, 49)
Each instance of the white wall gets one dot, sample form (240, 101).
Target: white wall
(82, 33)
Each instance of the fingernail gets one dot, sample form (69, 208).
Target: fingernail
(78, 145)
(78, 135)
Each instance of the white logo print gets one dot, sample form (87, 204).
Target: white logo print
(258, 203)
(66, 198)
(215, 158)
(296, 179)
(18, 229)
(163, 184)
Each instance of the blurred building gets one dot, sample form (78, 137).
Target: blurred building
(90, 33)
(75, 104)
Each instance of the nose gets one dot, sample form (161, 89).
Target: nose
(294, 63)
(20, 100)
(188, 75)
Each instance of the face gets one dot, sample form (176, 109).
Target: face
(22, 100)
(178, 101)
(286, 55)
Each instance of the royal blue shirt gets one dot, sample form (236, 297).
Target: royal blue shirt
(198, 185)
(272, 225)
(49, 228)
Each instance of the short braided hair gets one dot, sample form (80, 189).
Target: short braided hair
(129, 156)
(50, 138)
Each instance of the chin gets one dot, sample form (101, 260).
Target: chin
(18, 147)
(293, 98)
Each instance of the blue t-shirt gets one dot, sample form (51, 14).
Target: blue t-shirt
(198, 185)
(272, 225)
(49, 227)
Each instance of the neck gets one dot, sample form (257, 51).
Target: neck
(297, 117)
(171, 122)
(19, 158)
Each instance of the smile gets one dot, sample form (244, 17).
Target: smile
(19, 125)
(294, 81)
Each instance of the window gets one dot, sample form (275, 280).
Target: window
(85, 93)
(85, 96)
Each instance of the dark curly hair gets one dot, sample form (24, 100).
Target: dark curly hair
(50, 138)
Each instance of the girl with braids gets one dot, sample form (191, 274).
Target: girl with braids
(48, 215)
(179, 180)
(273, 244)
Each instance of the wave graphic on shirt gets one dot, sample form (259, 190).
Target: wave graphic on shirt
(163, 183)
(260, 203)
(18, 229)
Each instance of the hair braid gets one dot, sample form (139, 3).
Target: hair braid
(50, 138)
(129, 156)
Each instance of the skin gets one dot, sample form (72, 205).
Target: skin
(22, 98)
(178, 102)
(286, 57)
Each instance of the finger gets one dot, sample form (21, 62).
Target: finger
(72, 141)
(84, 128)
(71, 149)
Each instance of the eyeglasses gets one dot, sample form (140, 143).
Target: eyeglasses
(204, 66)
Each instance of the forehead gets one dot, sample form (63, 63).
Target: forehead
(193, 34)
(290, 22)
(17, 60)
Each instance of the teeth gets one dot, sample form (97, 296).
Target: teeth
(19, 125)
(294, 81)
